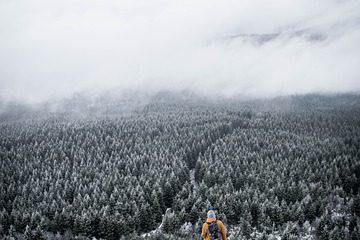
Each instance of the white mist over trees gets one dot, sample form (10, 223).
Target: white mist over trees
(130, 119)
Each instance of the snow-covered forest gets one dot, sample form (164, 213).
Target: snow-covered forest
(284, 168)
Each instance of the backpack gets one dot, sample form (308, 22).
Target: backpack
(213, 230)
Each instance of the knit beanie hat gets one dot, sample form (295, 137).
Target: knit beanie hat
(211, 214)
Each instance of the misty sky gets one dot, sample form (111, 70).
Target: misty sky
(219, 47)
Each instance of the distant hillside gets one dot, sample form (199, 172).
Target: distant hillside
(110, 103)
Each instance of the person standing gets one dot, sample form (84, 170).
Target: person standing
(213, 228)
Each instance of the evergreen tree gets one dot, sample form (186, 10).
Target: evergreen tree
(28, 233)
(246, 229)
(168, 195)
(12, 231)
(38, 234)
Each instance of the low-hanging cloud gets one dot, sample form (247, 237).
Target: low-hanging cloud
(218, 47)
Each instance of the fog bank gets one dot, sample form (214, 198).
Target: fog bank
(251, 48)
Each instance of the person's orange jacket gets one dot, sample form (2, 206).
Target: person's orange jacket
(205, 231)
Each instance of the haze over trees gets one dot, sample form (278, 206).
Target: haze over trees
(286, 167)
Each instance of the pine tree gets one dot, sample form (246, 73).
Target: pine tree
(322, 231)
(246, 229)
(38, 234)
(12, 231)
(355, 235)
(199, 172)
(255, 214)
(28, 233)
(167, 225)
(168, 195)
(156, 210)
(355, 208)
(146, 221)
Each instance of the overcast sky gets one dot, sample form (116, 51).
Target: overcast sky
(220, 47)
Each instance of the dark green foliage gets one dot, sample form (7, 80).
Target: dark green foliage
(38, 234)
(246, 229)
(199, 172)
(112, 176)
(146, 219)
(355, 235)
(355, 208)
(169, 195)
(11, 231)
(169, 225)
(28, 235)
(255, 213)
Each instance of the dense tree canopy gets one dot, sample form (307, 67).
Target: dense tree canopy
(292, 171)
